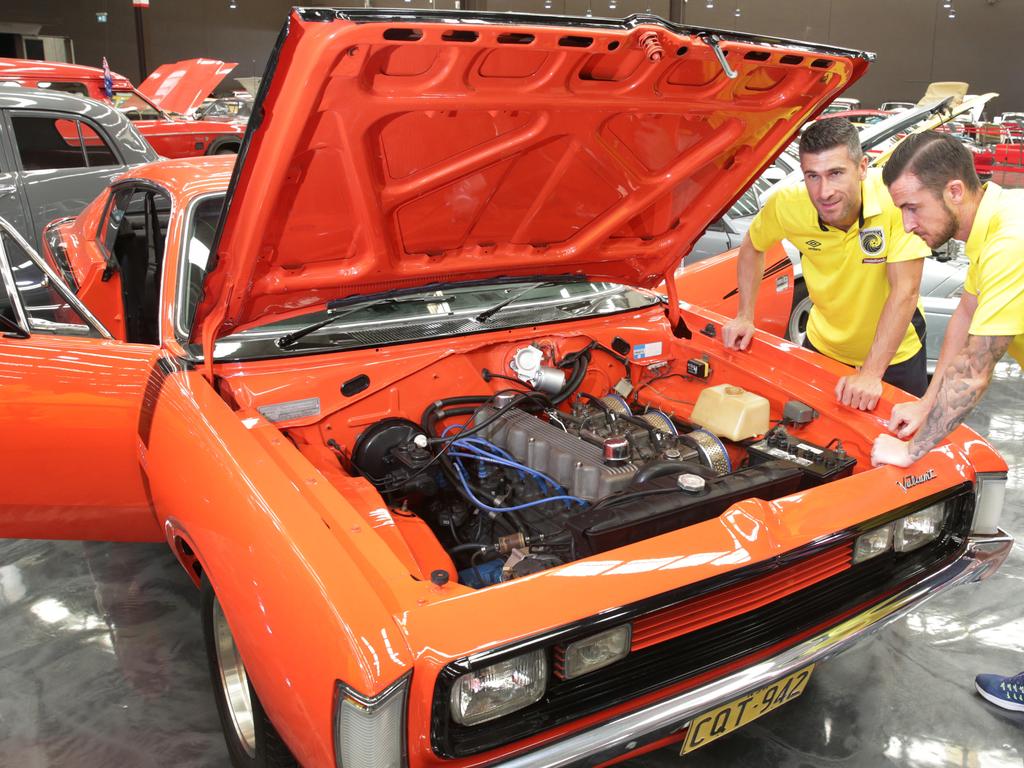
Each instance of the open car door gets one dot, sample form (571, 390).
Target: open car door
(72, 409)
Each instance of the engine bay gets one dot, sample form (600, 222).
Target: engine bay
(536, 470)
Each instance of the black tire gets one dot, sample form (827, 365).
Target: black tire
(224, 149)
(252, 744)
(796, 329)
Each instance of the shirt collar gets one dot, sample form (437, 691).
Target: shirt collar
(860, 217)
(870, 198)
(982, 217)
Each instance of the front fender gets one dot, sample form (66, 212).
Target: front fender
(304, 612)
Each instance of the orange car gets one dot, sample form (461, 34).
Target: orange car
(457, 488)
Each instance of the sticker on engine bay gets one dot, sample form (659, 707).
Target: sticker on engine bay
(642, 351)
(293, 409)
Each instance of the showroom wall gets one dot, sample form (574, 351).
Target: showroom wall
(915, 41)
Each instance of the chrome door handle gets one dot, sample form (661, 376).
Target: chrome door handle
(8, 190)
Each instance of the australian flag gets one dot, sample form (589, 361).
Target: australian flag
(108, 80)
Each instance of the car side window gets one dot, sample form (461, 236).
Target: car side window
(46, 308)
(47, 143)
(79, 89)
(202, 228)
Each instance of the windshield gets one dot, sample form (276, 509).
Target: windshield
(409, 316)
(133, 106)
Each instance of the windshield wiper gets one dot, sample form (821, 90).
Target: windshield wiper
(287, 340)
(487, 314)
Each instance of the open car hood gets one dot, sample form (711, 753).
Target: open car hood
(389, 150)
(181, 87)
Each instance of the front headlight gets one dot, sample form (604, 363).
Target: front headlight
(989, 493)
(595, 651)
(499, 689)
(369, 732)
(918, 529)
(873, 543)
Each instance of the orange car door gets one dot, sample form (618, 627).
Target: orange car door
(72, 406)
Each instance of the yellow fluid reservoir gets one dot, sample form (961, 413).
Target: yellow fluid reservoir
(731, 412)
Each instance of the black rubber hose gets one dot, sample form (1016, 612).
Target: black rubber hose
(439, 405)
(579, 371)
(517, 399)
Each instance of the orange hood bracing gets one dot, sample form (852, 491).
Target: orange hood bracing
(390, 150)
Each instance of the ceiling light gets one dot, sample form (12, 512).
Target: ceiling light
(737, 13)
(232, 4)
(101, 17)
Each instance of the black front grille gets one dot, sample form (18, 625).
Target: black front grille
(660, 666)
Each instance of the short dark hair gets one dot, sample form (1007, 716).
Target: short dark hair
(936, 159)
(830, 133)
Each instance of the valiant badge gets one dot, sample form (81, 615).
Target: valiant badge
(872, 241)
(909, 481)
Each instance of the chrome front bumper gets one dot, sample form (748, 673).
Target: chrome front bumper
(625, 734)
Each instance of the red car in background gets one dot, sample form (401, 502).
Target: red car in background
(169, 135)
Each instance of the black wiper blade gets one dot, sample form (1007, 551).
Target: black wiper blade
(288, 340)
(487, 314)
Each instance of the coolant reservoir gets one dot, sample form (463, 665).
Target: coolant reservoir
(731, 412)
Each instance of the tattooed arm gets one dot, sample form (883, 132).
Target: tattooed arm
(964, 381)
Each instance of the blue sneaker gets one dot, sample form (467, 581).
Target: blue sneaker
(1005, 692)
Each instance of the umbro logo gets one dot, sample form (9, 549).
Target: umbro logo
(814, 245)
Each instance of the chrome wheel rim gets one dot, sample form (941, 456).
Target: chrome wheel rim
(798, 321)
(234, 683)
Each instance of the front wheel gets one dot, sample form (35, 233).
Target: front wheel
(796, 331)
(251, 739)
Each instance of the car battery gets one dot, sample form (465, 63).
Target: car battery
(818, 464)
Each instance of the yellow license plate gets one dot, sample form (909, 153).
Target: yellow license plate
(737, 713)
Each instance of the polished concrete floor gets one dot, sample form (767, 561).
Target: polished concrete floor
(101, 662)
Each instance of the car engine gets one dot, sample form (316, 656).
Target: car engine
(520, 481)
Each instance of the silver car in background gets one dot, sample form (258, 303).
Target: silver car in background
(57, 153)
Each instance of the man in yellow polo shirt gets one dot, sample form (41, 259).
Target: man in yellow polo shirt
(861, 269)
(932, 179)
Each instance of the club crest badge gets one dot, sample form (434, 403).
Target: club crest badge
(872, 241)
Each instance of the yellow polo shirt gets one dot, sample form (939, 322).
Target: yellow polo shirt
(995, 250)
(844, 272)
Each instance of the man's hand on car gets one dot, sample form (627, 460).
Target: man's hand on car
(907, 418)
(737, 333)
(860, 390)
(888, 450)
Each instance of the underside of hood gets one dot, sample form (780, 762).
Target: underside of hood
(389, 150)
(181, 87)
